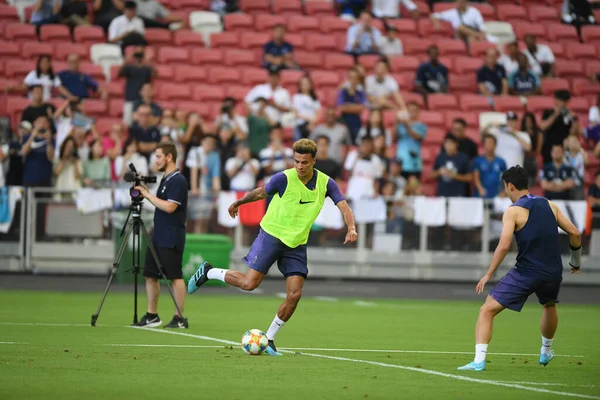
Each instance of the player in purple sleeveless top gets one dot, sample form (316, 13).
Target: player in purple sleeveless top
(534, 221)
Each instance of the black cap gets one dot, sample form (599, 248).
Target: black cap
(512, 116)
(130, 5)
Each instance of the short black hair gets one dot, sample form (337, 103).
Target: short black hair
(562, 94)
(597, 173)
(274, 72)
(230, 100)
(31, 87)
(488, 136)
(516, 175)
(452, 138)
(321, 137)
(130, 5)
(460, 121)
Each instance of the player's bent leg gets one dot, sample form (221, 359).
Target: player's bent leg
(293, 285)
(548, 326)
(245, 281)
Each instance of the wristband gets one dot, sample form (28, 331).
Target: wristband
(575, 261)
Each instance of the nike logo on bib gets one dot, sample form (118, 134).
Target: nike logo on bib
(306, 202)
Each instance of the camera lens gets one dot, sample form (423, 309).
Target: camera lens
(134, 193)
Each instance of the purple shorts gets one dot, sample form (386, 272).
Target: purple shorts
(267, 249)
(514, 288)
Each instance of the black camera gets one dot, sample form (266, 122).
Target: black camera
(136, 180)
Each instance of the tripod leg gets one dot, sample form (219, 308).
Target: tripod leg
(113, 272)
(159, 265)
(136, 269)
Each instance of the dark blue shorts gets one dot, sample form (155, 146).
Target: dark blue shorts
(514, 288)
(267, 249)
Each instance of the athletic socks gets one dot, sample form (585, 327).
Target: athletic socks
(217, 273)
(480, 352)
(274, 328)
(546, 346)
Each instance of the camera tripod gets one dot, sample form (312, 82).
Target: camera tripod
(134, 226)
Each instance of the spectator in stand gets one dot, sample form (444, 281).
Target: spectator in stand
(14, 175)
(107, 10)
(413, 187)
(578, 12)
(194, 133)
(375, 128)
(491, 77)
(592, 133)
(557, 177)
(410, 134)
(536, 137)
(37, 107)
(147, 98)
(306, 107)
(384, 9)
(366, 169)
(230, 120)
(380, 149)
(324, 163)
(275, 157)
(511, 143)
(63, 120)
(594, 113)
(146, 135)
(395, 175)
(363, 37)
(74, 13)
(259, 126)
(351, 9)
(242, 169)
(78, 83)
(112, 147)
(137, 71)
(382, 89)
(488, 170)
(131, 155)
(466, 145)
(279, 54)
(223, 7)
(577, 159)
(68, 169)
(524, 82)
(594, 198)
(452, 170)
(336, 133)
(557, 123)
(278, 98)
(44, 76)
(466, 21)
(155, 15)
(96, 170)
(46, 12)
(541, 58)
(432, 76)
(509, 60)
(127, 29)
(351, 103)
(391, 45)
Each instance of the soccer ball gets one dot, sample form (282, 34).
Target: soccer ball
(254, 342)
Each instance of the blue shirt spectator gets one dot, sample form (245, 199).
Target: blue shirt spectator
(38, 153)
(488, 171)
(362, 37)
(347, 100)
(452, 170)
(213, 169)
(48, 12)
(557, 178)
(491, 78)
(277, 54)
(410, 137)
(170, 229)
(432, 76)
(77, 83)
(524, 81)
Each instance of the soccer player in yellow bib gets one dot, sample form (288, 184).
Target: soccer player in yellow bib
(298, 196)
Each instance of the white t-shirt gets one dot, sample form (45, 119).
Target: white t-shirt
(305, 106)
(196, 158)
(280, 96)
(542, 55)
(384, 88)
(509, 64)
(279, 162)
(66, 180)
(391, 8)
(471, 17)
(391, 48)
(63, 127)
(45, 81)
(122, 24)
(508, 147)
(138, 160)
(594, 116)
(245, 179)
(239, 120)
(364, 173)
(374, 133)
(3, 164)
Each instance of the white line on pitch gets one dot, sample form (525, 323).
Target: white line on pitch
(548, 384)
(365, 303)
(325, 298)
(165, 345)
(402, 367)
(12, 343)
(53, 324)
(417, 351)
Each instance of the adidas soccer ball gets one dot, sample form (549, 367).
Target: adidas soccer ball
(254, 342)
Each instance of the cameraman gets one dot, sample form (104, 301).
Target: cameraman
(229, 120)
(557, 124)
(168, 236)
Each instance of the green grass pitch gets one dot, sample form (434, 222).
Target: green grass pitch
(420, 342)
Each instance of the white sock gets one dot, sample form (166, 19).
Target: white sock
(546, 345)
(274, 328)
(217, 273)
(480, 352)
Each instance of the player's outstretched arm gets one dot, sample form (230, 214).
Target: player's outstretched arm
(346, 211)
(574, 237)
(255, 195)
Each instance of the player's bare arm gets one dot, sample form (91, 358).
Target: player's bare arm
(574, 237)
(509, 222)
(351, 236)
(255, 195)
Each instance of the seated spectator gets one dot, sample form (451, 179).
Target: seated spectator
(146, 135)
(44, 76)
(594, 195)
(557, 123)
(324, 163)
(128, 29)
(578, 12)
(46, 12)
(452, 170)
(307, 108)
(384, 9)
(105, 11)
(223, 7)
(375, 128)
(229, 119)
(413, 187)
(130, 155)
(14, 175)
(363, 37)
(577, 159)
(351, 9)
(466, 145)
(259, 126)
(68, 169)
(524, 82)
(557, 177)
(336, 133)
(351, 103)
(278, 54)
(432, 76)
(540, 56)
(37, 107)
(96, 170)
(366, 169)
(137, 71)
(509, 60)
(278, 98)
(155, 15)
(242, 169)
(112, 147)
(391, 44)
(38, 153)
(382, 89)
(594, 113)
(380, 149)
(488, 170)
(536, 137)
(395, 175)
(466, 21)
(78, 83)
(63, 118)
(491, 77)
(410, 134)
(275, 157)
(74, 13)
(511, 144)
(147, 98)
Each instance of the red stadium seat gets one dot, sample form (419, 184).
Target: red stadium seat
(435, 136)
(15, 106)
(309, 60)
(590, 33)
(188, 39)
(550, 85)
(205, 57)
(432, 118)
(104, 125)
(32, 50)
(251, 40)
(287, 7)
(583, 87)
(254, 76)
(224, 75)
(266, 22)
(422, 6)
(237, 92)
(404, 64)
(527, 28)
(462, 83)
(62, 51)
(300, 23)
(592, 67)
(225, 40)
(320, 43)
(566, 68)
(581, 51)
(368, 61)
(537, 104)
(334, 24)
(487, 11)
(289, 78)
(172, 55)
(95, 107)
(238, 22)
(416, 46)
(89, 34)
(406, 82)
(9, 13)
(579, 104)
(452, 47)
(511, 12)
(557, 48)
(55, 33)
(207, 93)
(295, 39)
(540, 13)
(175, 91)
(507, 103)
(336, 62)
(240, 57)
(116, 90)
(478, 49)
(20, 33)
(441, 102)
(467, 65)
(474, 102)
(158, 37)
(188, 73)
(18, 69)
(405, 26)
(9, 50)
(88, 68)
(410, 97)
(325, 79)
(471, 118)
(319, 8)
(115, 108)
(427, 30)
(560, 32)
